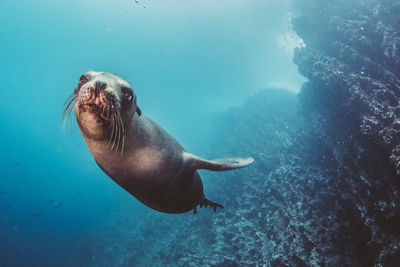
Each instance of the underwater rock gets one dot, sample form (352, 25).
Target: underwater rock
(352, 102)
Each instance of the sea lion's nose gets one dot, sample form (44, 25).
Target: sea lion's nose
(99, 86)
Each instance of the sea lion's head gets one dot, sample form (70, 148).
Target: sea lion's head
(103, 103)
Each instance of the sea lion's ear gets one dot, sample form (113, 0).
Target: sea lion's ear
(139, 112)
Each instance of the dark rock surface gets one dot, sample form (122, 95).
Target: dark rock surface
(352, 61)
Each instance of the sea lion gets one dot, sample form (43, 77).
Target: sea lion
(134, 151)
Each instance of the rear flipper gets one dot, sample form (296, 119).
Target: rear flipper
(224, 164)
(205, 202)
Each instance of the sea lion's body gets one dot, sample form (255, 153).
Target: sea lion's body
(141, 156)
(152, 169)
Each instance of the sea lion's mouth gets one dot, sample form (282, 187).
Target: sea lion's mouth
(102, 122)
(89, 107)
(95, 109)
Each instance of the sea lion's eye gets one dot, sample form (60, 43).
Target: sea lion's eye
(82, 80)
(128, 94)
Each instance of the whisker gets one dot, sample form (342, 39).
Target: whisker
(69, 99)
(70, 112)
(109, 131)
(115, 130)
(69, 103)
(67, 120)
(112, 129)
(123, 135)
(119, 134)
(67, 107)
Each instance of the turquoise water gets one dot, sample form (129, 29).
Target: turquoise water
(188, 62)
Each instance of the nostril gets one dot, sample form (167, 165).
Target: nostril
(99, 87)
(100, 84)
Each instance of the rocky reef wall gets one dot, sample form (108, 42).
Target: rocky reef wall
(351, 103)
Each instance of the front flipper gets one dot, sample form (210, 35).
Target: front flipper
(224, 164)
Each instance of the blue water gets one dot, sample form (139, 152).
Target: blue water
(188, 62)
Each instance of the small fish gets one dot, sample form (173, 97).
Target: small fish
(50, 238)
(137, 1)
(3, 192)
(57, 204)
(61, 220)
(36, 214)
(79, 193)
